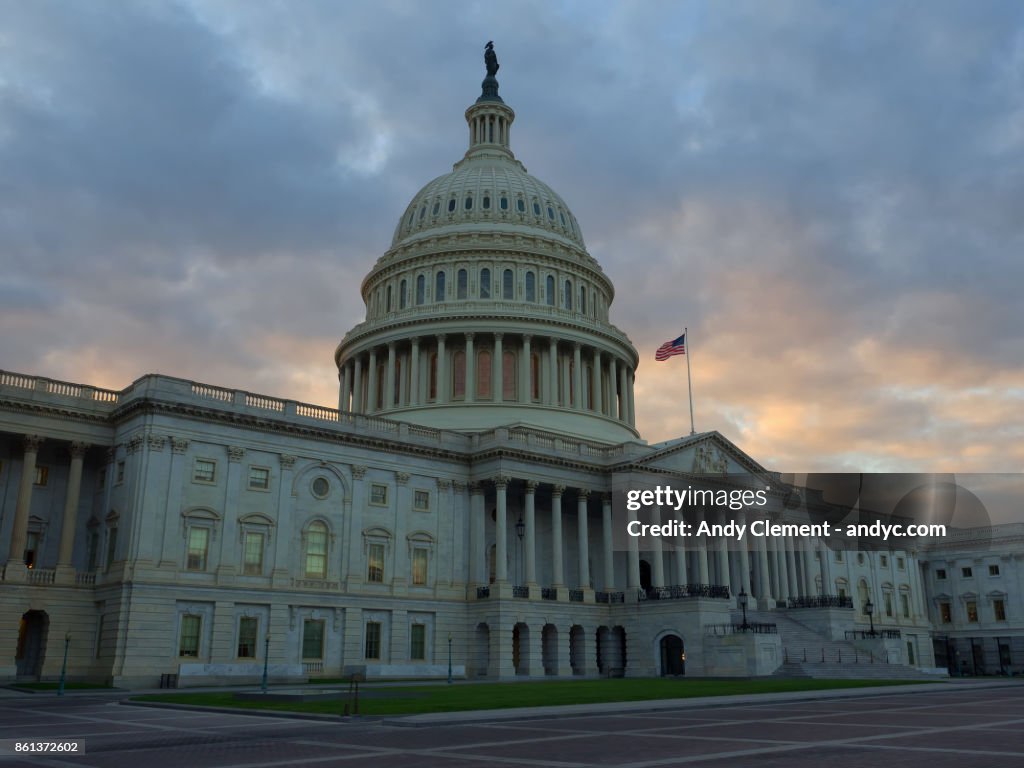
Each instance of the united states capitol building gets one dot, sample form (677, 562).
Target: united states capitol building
(456, 508)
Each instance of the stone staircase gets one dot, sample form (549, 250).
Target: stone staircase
(806, 653)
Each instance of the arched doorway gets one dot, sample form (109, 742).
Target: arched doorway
(577, 650)
(521, 649)
(31, 644)
(482, 650)
(645, 575)
(673, 656)
(549, 649)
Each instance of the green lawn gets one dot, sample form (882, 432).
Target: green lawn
(452, 698)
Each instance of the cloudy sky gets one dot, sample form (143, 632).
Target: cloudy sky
(829, 195)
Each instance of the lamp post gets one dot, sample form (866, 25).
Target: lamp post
(64, 666)
(266, 661)
(449, 658)
(742, 598)
(520, 528)
(869, 609)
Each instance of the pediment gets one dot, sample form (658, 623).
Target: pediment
(705, 454)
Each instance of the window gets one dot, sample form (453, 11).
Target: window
(259, 478)
(967, 573)
(379, 495)
(316, 551)
(439, 287)
(508, 376)
(536, 208)
(188, 641)
(901, 563)
(485, 283)
(120, 472)
(418, 642)
(451, 205)
(421, 289)
(507, 285)
(940, 573)
(432, 382)
(993, 570)
(905, 604)
(375, 563)
(521, 205)
(531, 286)
(884, 561)
(248, 627)
(487, 202)
(459, 375)
(111, 546)
(92, 550)
(946, 613)
(42, 475)
(421, 501)
(887, 597)
(567, 297)
(839, 555)
(313, 639)
(972, 612)
(504, 203)
(437, 207)
(205, 471)
(534, 377)
(551, 213)
(468, 204)
(550, 290)
(320, 487)
(462, 284)
(999, 608)
(402, 294)
(31, 547)
(583, 298)
(419, 566)
(483, 374)
(198, 546)
(387, 301)
(252, 557)
(372, 640)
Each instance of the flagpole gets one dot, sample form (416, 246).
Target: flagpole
(689, 382)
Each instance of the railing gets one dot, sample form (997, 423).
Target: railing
(752, 628)
(610, 597)
(804, 655)
(211, 392)
(85, 579)
(317, 412)
(821, 601)
(483, 593)
(523, 592)
(262, 401)
(682, 591)
(575, 595)
(41, 576)
(65, 388)
(548, 593)
(312, 667)
(319, 584)
(878, 634)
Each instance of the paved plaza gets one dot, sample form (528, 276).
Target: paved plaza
(976, 727)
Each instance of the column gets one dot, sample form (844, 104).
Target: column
(577, 378)
(624, 397)
(595, 382)
(557, 572)
(67, 526)
(371, 388)
(19, 532)
(633, 557)
(782, 570)
(808, 557)
(680, 562)
(629, 401)
(825, 566)
(498, 370)
(525, 373)
(566, 381)
(389, 385)
(531, 534)
(442, 371)
(613, 397)
(794, 581)
(477, 517)
(657, 562)
(414, 372)
(609, 541)
(724, 576)
(500, 531)
(774, 575)
(702, 560)
(470, 369)
(551, 396)
(346, 384)
(582, 537)
(764, 576)
(745, 585)
(357, 390)
(403, 380)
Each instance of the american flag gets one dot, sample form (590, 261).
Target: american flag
(669, 348)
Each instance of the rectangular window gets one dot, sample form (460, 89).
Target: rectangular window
(188, 643)
(313, 639)
(316, 551)
(993, 570)
(839, 555)
(888, 603)
(972, 612)
(999, 606)
(205, 471)
(419, 566)
(31, 547)
(946, 613)
(905, 604)
(92, 547)
(901, 563)
(421, 501)
(248, 626)
(111, 546)
(379, 495)
(252, 564)
(373, 639)
(198, 546)
(259, 478)
(884, 561)
(42, 475)
(940, 573)
(120, 472)
(967, 573)
(418, 642)
(375, 563)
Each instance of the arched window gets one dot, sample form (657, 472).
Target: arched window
(508, 376)
(432, 382)
(504, 203)
(485, 283)
(451, 205)
(387, 307)
(535, 376)
(588, 386)
(551, 213)
(401, 294)
(439, 287)
(315, 554)
(521, 205)
(567, 298)
(421, 289)
(487, 202)
(583, 299)
(536, 208)
(459, 375)
(550, 286)
(423, 211)
(572, 383)
(507, 285)
(469, 202)
(531, 287)
(462, 284)
(382, 377)
(483, 374)
(437, 207)
(397, 396)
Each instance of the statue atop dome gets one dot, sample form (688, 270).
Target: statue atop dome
(489, 86)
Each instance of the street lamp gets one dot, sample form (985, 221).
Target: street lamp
(869, 609)
(449, 658)
(64, 666)
(520, 529)
(742, 598)
(266, 661)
